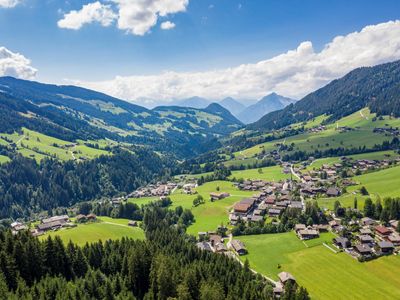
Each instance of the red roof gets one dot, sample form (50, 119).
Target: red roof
(382, 230)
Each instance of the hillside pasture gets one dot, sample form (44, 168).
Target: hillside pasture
(273, 173)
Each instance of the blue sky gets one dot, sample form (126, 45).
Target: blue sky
(208, 35)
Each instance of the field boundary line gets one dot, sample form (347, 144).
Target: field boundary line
(327, 246)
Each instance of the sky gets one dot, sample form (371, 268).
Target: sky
(155, 51)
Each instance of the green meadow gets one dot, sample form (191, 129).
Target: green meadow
(105, 229)
(379, 184)
(273, 173)
(326, 275)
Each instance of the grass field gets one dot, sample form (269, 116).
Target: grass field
(384, 183)
(4, 159)
(273, 173)
(143, 200)
(105, 229)
(326, 275)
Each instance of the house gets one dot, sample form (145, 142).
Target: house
(80, 218)
(385, 247)
(91, 217)
(204, 246)
(49, 226)
(363, 249)
(382, 231)
(394, 224)
(365, 231)
(334, 224)
(333, 192)
(296, 204)
(234, 219)
(365, 239)
(62, 219)
(285, 277)
(274, 212)
(215, 239)
(218, 196)
(239, 247)
(298, 227)
(395, 239)
(342, 242)
(244, 205)
(367, 221)
(133, 223)
(256, 218)
(220, 248)
(307, 234)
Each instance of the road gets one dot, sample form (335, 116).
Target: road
(20, 140)
(362, 115)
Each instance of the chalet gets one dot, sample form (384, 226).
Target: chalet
(270, 200)
(285, 277)
(363, 249)
(333, 192)
(256, 219)
(133, 223)
(215, 239)
(274, 212)
(49, 226)
(218, 196)
(296, 204)
(382, 231)
(234, 219)
(204, 246)
(307, 234)
(62, 219)
(321, 227)
(17, 227)
(394, 224)
(395, 239)
(239, 247)
(342, 242)
(367, 221)
(334, 224)
(80, 218)
(258, 212)
(242, 208)
(220, 248)
(385, 247)
(365, 231)
(298, 227)
(91, 217)
(365, 239)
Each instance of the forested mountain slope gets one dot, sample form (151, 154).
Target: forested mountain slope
(70, 112)
(376, 87)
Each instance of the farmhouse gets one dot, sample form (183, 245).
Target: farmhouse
(239, 247)
(307, 234)
(62, 219)
(367, 221)
(342, 242)
(244, 206)
(133, 223)
(274, 212)
(218, 196)
(285, 277)
(333, 192)
(204, 246)
(17, 227)
(365, 239)
(365, 231)
(299, 227)
(382, 231)
(385, 247)
(395, 239)
(363, 249)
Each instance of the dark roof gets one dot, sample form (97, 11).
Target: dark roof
(385, 244)
(362, 248)
(238, 245)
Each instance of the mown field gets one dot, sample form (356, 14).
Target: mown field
(105, 229)
(268, 173)
(326, 275)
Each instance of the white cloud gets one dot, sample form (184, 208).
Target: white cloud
(9, 3)
(294, 73)
(92, 12)
(16, 65)
(167, 25)
(136, 17)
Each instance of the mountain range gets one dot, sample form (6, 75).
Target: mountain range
(245, 113)
(71, 113)
(376, 87)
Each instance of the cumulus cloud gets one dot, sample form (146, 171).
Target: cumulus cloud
(294, 73)
(16, 65)
(92, 12)
(9, 3)
(134, 17)
(167, 25)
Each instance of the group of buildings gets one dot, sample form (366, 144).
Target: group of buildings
(372, 239)
(272, 199)
(154, 190)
